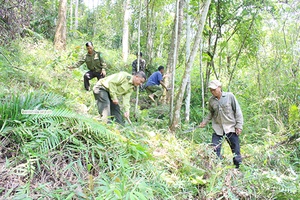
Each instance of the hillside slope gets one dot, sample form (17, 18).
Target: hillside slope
(64, 152)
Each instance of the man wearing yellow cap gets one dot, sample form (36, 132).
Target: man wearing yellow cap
(227, 120)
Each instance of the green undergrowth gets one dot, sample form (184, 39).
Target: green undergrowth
(63, 151)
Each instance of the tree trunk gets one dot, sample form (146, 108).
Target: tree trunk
(71, 15)
(161, 45)
(125, 42)
(171, 61)
(138, 60)
(94, 19)
(188, 50)
(212, 50)
(76, 15)
(174, 58)
(150, 33)
(202, 79)
(60, 39)
(179, 97)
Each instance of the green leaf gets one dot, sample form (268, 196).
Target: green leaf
(140, 196)
(70, 196)
(118, 193)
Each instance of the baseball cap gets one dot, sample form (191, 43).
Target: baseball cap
(214, 84)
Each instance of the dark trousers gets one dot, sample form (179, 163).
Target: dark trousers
(106, 107)
(88, 76)
(234, 143)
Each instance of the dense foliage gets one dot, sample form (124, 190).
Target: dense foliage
(68, 153)
(15, 16)
(64, 154)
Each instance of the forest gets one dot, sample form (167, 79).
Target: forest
(54, 145)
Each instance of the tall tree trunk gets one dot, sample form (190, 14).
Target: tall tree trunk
(179, 97)
(138, 60)
(171, 61)
(208, 68)
(174, 58)
(71, 15)
(150, 32)
(202, 79)
(161, 45)
(94, 19)
(125, 41)
(212, 49)
(60, 39)
(188, 50)
(76, 16)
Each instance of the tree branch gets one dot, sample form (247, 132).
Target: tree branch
(11, 63)
(240, 50)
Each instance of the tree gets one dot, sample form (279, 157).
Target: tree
(138, 53)
(173, 48)
(76, 15)
(227, 37)
(188, 50)
(71, 15)
(125, 42)
(240, 49)
(45, 22)
(150, 30)
(60, 39)
(188, 65)
(173, 57)
(202, 78)
(14, 17)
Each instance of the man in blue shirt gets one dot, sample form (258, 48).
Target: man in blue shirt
(153, 87)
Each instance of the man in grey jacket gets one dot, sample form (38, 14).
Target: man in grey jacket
(227, 120)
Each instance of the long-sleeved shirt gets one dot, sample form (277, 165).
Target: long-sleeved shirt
(225, 113)
(119, 84)
(142, 66)
(94, 62)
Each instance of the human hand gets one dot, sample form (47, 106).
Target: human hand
(126, 114)
(202, 125)
(166, 75)
(238, 131)
(115, 101)
(103, 73)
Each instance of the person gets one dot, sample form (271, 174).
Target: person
(153, 84)
(95, 63)
(107, 90)
(135, 64)
(227, 120)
